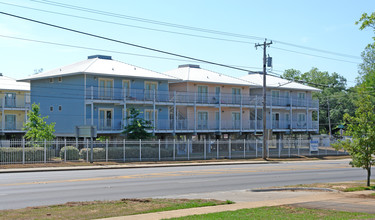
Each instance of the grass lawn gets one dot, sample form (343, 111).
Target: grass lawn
(341, 186)
(282, 212)
(104, 209)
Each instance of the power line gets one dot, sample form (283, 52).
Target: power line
(123, 42)
(89, 10)
(127, 25)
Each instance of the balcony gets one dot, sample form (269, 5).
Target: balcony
(15, 102)
(11, 126)
(191, 98)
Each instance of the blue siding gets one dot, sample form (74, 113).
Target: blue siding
(69, 94)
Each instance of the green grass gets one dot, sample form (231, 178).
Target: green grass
(359, 188)
(281, 212)
(105, 209)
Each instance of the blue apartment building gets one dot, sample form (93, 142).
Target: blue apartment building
(100, 91)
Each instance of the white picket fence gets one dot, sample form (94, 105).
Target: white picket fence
(57, 151)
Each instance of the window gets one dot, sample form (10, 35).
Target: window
(10, 99)
(150, 89)
(202, 120)
(301, 96)
(10, 122)
(60, 108)
(51, 108)
(149, 116)
(236, 95)
(105, 88)
(60, 79)
(105, 119)
(275, 120)
(27, 98)
(217, 94)
(287, 94)
(51, 80)
(202, 94)
(236, 117)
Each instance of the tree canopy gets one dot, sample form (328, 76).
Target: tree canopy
(36, 128)
(333, 93)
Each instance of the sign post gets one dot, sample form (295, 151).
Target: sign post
(87, 131)
(314, 143)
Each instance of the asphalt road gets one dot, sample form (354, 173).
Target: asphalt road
(18, 190)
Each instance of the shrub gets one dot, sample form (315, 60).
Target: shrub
(132, 153)
(72, 153)
(32, 154)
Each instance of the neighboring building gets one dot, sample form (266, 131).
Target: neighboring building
(14, 105)
(99, 91)
(290, 105)
(212, 104)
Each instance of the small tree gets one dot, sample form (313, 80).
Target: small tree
(136, 129)
(36, 128)
(362, 129)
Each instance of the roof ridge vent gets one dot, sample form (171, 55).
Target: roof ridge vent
(103, 57)
(189, 65)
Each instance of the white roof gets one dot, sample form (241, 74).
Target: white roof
(277, 82)
(7, 83)
(102, 66)
(193, 73)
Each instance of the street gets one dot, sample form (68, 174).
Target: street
(18, 190)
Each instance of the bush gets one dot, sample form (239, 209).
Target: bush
(32, 154)
(72, 153)
(116, 153)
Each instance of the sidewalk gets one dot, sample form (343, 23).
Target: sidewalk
(351, 202)
(131, 166)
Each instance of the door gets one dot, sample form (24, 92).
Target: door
(10, 100)
(10, 122)
(217, 120)
(105, 88)
(236, 95)
(275, 120)
(301, 120)
(149, 116)
(202, 120)
(126, 88)
(275, 97)
(217, 94)
(202, 94)
(105, 119)
(236, 120)
(150, 89)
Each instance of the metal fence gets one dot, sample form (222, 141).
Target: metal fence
(57, 151)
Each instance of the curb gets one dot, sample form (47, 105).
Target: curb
(295, 189)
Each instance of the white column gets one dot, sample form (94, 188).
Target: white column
(174, 113)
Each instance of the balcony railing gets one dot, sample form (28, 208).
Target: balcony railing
(17, 101)
(139, 95)
(11, 126)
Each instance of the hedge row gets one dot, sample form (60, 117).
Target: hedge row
(72, 153)
(117, 153)
(14, 154)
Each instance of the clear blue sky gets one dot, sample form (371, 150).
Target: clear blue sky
(324, 25)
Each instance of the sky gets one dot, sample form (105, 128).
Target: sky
(304, 34)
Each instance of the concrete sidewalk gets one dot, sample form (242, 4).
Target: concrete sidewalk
(132, 166)
(351, 202)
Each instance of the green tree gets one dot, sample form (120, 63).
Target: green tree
(36, 128)
(137, 126)
(362, 129)
(333, 94)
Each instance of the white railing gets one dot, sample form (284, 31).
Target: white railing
(23, 151)
(140, 95)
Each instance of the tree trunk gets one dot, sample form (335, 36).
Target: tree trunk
(368, 175)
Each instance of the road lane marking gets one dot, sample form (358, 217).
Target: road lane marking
(181, 173)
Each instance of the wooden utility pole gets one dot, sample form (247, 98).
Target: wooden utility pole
(265, 135)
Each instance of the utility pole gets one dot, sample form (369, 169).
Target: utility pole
(329, 119)
(265, 135)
